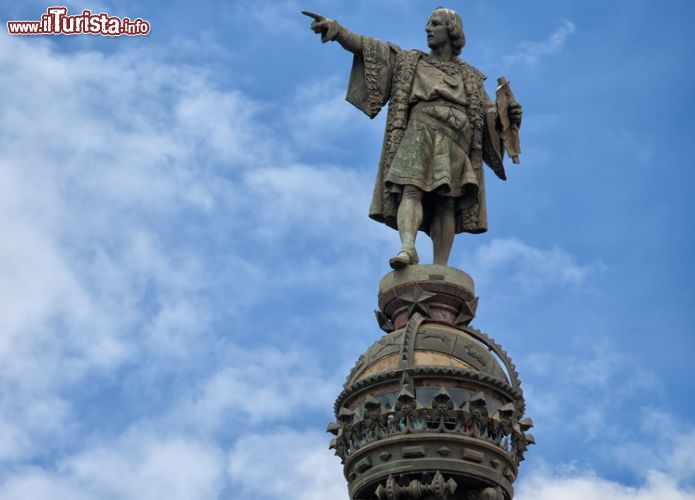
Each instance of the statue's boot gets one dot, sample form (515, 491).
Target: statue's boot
(404, 258)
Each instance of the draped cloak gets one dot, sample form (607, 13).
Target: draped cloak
(383, 72)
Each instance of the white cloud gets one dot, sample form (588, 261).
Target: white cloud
(217, 125)
(670, 450)
(583, 391)
(138, 466)
(261, 386)
(95, 274)
(319, 115)
(660, 455)
(123, 206)
(588, 486)
(531, 52)
(525, 269)
(36, 279)
(584, 398)
(601, 366)
(125, 210)
(314, 201)
(276, 18)
(296, 465)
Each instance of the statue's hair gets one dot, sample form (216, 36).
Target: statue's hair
(454, 24)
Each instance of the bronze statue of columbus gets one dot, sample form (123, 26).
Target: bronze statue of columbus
(441, 126)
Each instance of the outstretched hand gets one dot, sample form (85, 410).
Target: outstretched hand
(319, 25)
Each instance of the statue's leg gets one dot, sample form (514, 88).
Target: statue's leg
(409, 218)
(443, 229)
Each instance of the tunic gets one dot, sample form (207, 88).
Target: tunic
(440, 127)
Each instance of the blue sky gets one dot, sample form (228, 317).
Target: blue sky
(188, 270)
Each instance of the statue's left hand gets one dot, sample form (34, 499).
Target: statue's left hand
(515, 113)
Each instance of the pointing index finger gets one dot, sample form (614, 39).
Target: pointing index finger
(317, 17)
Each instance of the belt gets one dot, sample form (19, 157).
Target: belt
(425, 112)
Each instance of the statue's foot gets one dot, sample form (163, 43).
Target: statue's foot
(404, 258)
(400, 261)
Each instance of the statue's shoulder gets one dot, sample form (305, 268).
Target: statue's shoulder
(409, 54)
(406, 61)
(471, 71)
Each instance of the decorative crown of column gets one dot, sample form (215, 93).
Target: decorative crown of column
(434, 408)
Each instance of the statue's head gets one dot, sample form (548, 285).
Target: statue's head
(445, 26)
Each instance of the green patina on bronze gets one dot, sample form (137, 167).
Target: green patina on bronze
(440, 129)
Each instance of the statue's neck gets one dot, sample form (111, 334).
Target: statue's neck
(445, 53)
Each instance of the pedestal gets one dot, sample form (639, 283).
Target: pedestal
(434, 408)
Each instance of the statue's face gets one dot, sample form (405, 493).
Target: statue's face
(437, 31)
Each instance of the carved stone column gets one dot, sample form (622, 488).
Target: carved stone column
(434, 408)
